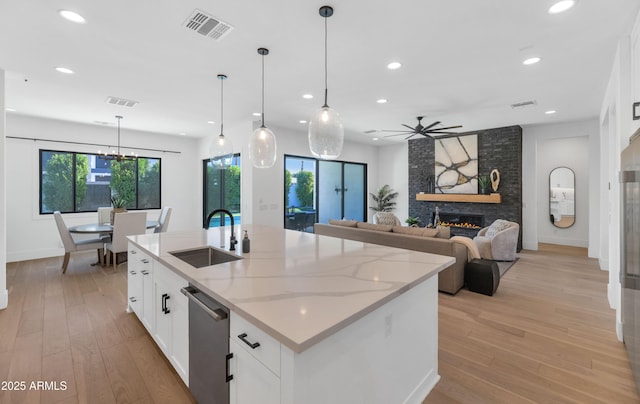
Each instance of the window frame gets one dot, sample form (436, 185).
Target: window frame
(74, 172)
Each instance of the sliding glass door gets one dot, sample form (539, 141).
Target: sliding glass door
(341, 191)
(221, 190)
(319, 190)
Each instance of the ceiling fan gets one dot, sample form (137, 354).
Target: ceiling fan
(423, 130)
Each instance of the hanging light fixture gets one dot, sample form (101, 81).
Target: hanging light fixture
(326, 133)
(221, 149)
(262, 147)
(116, 155)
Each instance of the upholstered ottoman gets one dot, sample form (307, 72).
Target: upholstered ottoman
(482, 276)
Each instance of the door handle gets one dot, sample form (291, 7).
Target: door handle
(165, 309)
(243, 337)
(228, 376)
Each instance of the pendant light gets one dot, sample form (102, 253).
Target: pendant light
(116, 155)
(326, 133)
(221, 149)
(262, 147)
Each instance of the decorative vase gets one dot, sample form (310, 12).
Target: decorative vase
(114, 211)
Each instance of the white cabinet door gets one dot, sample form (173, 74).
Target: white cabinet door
(252, 381)
(171, 318)
(180, 335)
(148, 300)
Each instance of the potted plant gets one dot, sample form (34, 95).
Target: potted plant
(383, 198)
(483, 184)
(413, 221)
(119, 205)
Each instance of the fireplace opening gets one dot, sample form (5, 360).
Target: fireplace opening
(460, 220)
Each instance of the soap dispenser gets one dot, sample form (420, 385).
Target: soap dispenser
(246, 243)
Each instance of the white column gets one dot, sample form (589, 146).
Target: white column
(4, 295)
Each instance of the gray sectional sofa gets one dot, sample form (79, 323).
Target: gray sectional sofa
(434, 241)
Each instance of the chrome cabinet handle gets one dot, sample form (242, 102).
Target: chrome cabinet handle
(145, 261)
(133, 299)
(132, 272)
(145, 272)
(133, 252)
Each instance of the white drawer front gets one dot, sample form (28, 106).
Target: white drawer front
(245, 333)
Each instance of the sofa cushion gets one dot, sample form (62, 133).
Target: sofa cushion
(377, 227)
(414, 231)
(496, 227)
(345, 223)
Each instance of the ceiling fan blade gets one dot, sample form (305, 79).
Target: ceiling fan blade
(430, 126)
(407, 126)
(410, 136)
(448, 127)
(399, 134)
(440, 133)
(397, 131)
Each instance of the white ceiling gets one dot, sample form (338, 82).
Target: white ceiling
(461, 62)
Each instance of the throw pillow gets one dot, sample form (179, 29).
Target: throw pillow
(430, 232)
(444, 232)
(377, 227)
(496, 227)
(345, 223)
(413, 231)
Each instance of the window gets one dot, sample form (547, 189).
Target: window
(79, 182)
(221, 190)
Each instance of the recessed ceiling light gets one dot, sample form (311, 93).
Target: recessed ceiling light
(72, 16)
(10, 110)
(307, 96)
(394, 65)
(375, 138)
(302, 121)
(550, 112)
(381, 101)
(182, 134)
(531, 61)
(257, 114)
(561, 6)
(64, 70)
(211, 122)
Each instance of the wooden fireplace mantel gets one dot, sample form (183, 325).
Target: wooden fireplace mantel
(476, 198)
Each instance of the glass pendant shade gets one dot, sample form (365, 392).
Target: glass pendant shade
(221, 152)
(262, 148)
(326, 134)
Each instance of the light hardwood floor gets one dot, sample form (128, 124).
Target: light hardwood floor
(546, 336)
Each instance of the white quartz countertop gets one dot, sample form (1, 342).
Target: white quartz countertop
(298, 287)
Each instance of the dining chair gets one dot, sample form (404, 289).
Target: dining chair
(124, 224)
(71, 245)
(163, 220)
(104, 215)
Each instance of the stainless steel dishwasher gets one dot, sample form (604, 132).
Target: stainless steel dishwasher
(208, 348)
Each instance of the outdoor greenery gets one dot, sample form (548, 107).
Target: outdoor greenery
(222, 187)
(135, 184)
(383, 198)
(57, 184)
(304, 189)
(287, 186)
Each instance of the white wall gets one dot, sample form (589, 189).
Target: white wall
(394, 170)
(32, 235)
(4, 295)
(545, 147)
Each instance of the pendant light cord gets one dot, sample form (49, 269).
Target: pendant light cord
(221, 106)
(263, 91)
(325, 63)
(119, 118)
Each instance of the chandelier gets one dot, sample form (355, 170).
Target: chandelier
(116, 155)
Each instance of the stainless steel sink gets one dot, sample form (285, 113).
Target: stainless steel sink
(204, 256)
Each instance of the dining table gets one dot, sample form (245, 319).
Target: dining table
(103, 228)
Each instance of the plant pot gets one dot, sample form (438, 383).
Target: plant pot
(484, 191)
(114, 211)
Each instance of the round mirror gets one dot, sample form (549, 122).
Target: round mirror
(562, 204)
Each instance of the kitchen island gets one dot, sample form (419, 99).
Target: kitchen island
(337, 320)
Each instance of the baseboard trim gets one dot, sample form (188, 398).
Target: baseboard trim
(619, 331)
(4, 299)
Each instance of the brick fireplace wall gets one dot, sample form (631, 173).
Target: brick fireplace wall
(499, 148)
